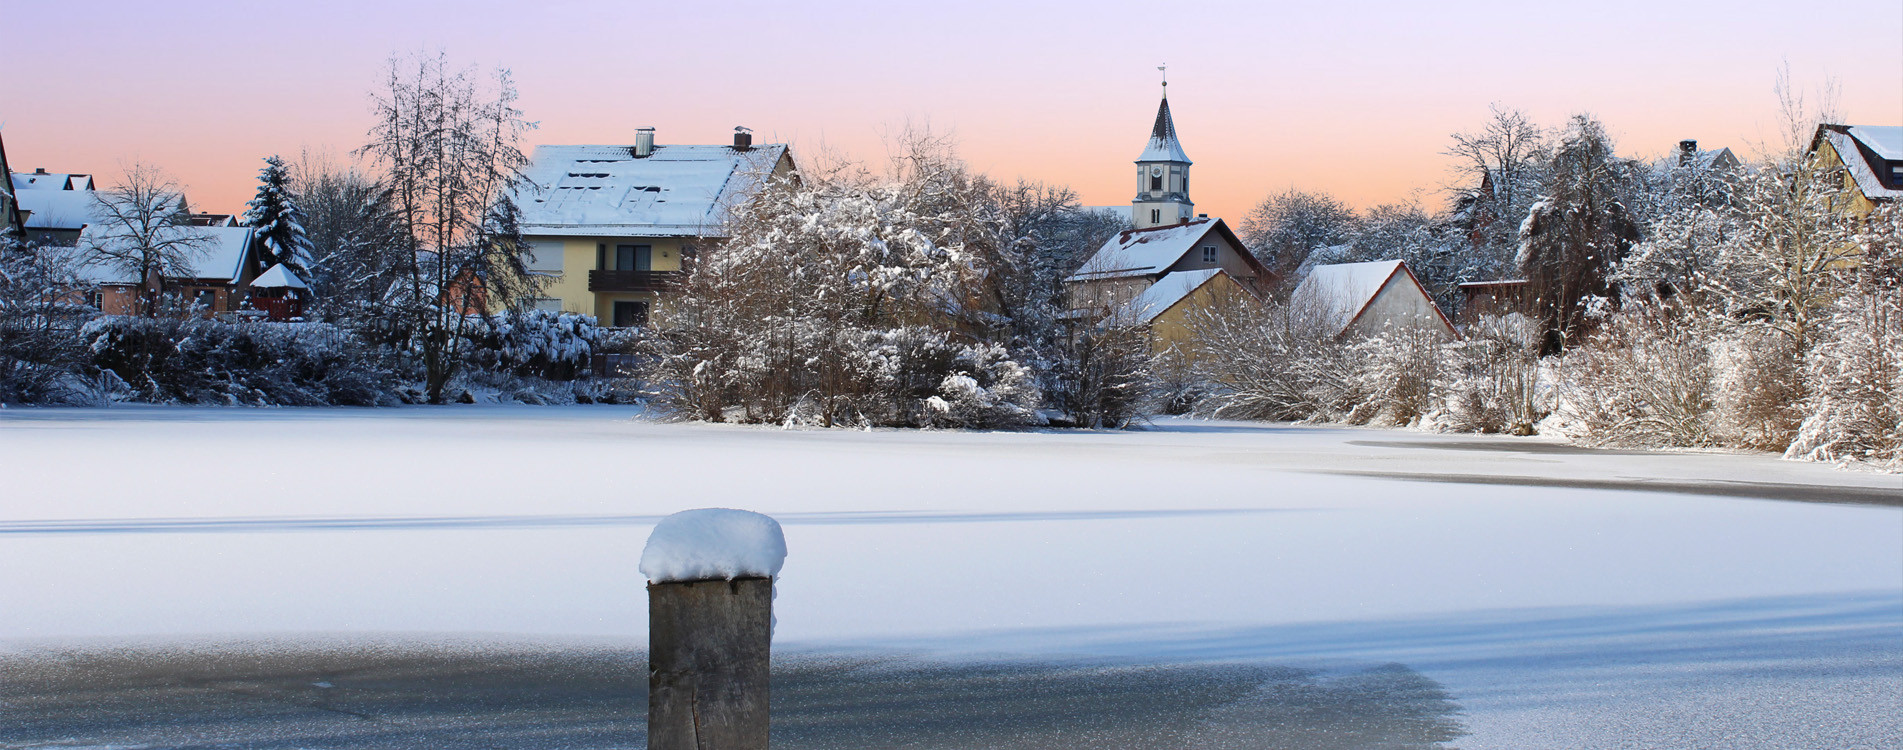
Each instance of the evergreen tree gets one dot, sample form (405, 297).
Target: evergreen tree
(279, 221)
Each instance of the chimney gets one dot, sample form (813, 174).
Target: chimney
(1687, 149)
(39, 170)
(742, 139)
(1202, 216)
(643, 143)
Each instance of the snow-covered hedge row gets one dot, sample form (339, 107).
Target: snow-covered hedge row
(199, 361)
(536, 343)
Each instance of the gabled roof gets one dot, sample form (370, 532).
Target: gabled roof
(51, 181)
(677, 191)
(221, 257)
(1339, 293)
(279, 277)
(1163, 145)
(57, 209)
(1147, 252)
(1166, 292)
(1850, 142)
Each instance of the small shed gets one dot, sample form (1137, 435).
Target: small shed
(1363, 299)
(279, 293)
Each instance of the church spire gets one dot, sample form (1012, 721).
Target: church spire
(1162, 172)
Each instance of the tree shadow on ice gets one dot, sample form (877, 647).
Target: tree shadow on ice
(822, 705)
(387, 695)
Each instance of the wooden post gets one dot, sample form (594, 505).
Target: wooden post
(709, 651)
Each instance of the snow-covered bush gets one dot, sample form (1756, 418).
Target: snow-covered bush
(201, 361)
(1855, 410)
(1396, 374)
(1492, 382)
(1643, 379)
(41, 361)
(1758, 386)
(535, 343)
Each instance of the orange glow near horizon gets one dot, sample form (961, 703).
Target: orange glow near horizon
(1357, 100)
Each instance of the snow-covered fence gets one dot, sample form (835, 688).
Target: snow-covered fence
(710, 628)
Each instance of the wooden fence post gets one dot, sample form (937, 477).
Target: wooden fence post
(709, 657)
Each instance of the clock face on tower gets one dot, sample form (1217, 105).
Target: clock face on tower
(1156, 171)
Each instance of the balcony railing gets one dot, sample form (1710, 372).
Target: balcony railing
(631, 281)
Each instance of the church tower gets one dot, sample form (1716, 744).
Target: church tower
(1162, 175)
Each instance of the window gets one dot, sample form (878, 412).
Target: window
(544, 256)
(1209, 253)
(549, 304)
(206, 298)
(630, 314)
(634, 258)
(1896, 175)
(1156, 216)
(1156, 182)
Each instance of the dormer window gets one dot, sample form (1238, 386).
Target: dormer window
(1896, 175)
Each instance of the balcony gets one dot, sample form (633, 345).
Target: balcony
(631, 281)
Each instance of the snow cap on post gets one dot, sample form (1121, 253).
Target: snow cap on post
(714, 544)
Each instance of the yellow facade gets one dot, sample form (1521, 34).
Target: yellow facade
(583, 254)
(1177, 325)
(1854, 202)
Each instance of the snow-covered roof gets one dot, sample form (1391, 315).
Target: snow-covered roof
(1860, 169)
(1142, 252)
(677, 191)
(51, 181)
(222, 256)
(278, 277)
(1166, 292)
(1885, 140)
(1337, 293)
(56, 209)
(1163, 145)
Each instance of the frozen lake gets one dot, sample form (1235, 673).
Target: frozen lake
(1523, 592)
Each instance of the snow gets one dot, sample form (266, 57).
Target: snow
(1168, 291)
(1340, 291)
(714, 543)
(1141, 252)
(1860, 169)
(278, 277)
(57, 209)
(1525, 581)
(605, 191)
(1885, 140)
(221, 257)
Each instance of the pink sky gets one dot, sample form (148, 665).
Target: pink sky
(1356, 98)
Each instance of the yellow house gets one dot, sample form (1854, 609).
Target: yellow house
(1871, 160)
(1168, 308)
(613, 226)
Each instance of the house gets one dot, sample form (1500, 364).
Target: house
(1690, 156)
(1871, 157)
(216, 276)
(1348, 300)
(10, 219)
(1167, 309)
(614, 226)
(1173, 259)
(1480, 298)
(56, 206)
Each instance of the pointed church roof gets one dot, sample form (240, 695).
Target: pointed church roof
(1163, 145)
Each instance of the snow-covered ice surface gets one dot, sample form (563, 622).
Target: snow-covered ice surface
(713, 543)
(1559, 597)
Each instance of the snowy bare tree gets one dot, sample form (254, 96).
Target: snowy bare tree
(143, 233)
(1577, 233)
(449, 142)
(1285, 228)
(40, 314)
(358, 246)
(1502, 171)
